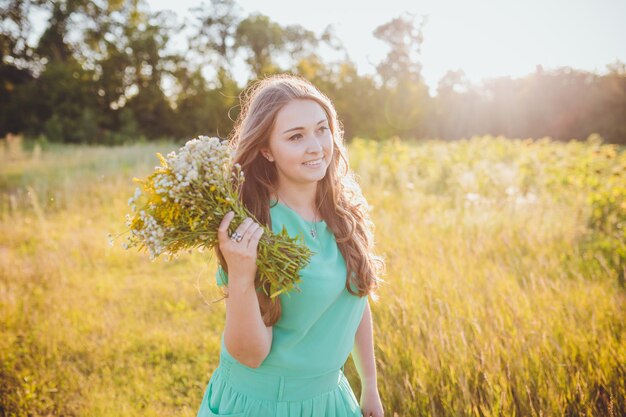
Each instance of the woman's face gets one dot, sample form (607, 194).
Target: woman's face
(301, 143)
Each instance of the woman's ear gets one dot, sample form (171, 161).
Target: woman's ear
(266, 153)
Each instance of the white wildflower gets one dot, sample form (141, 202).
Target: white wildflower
(472, 197)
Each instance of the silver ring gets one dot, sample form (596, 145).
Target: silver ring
(239, 238)
(236, 237)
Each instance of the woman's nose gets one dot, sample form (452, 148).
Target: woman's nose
(315, 145)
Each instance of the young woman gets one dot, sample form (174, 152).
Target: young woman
(284, 357)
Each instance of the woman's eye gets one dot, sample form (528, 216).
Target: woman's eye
(298, 135)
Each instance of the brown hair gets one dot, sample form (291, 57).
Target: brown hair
(338, 198)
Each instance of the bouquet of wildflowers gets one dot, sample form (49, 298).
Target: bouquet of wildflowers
(181, 205)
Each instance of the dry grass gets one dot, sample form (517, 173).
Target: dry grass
(492, 306)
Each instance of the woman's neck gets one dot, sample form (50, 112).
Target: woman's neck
(298, 198)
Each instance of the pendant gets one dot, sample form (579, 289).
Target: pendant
(313, 234)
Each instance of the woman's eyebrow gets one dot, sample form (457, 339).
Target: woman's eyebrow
(299, 127)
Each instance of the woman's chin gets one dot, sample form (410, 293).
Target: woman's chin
(314, 177)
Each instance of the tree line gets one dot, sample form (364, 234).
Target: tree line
(113, 71)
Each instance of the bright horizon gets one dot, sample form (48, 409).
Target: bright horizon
(484, 38)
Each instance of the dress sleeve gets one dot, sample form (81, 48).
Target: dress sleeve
(221, 277)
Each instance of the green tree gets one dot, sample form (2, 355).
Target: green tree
(405, 96)
(19, 64)
(146, 46)
(262, 38)
(64, 98)
(404, 38)
(207, 111)
(214, 36)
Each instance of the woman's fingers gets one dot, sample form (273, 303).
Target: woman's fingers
(248, 229)
(254, 239)
(248, 235)
(245, 226)
(222, 230)
(241, 254)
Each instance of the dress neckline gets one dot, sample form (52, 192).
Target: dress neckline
(275, 203)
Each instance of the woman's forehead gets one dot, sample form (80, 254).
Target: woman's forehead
(299, 113)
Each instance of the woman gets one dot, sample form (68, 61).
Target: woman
(285, 357)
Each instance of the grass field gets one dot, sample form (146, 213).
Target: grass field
(504, 292)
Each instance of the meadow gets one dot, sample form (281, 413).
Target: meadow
(503, 296)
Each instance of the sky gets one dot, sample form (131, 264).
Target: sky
(484, 38)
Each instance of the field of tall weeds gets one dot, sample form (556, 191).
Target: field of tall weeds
(504, 292)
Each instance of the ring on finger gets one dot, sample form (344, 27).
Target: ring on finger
(243, 228)
(236, 237)
(253, 229)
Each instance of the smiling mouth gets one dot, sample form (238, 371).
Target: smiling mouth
(314, 162)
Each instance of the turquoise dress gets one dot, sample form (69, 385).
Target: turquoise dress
(302, 376)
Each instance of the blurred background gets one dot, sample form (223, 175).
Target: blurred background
(109, 72)
(488, 139)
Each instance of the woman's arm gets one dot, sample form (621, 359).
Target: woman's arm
(245, 335)
(363, 351)
(363, 355)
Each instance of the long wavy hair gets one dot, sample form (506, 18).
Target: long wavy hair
(338, 198)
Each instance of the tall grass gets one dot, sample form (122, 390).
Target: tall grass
(498, 299)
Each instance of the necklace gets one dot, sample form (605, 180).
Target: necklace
(312, 228)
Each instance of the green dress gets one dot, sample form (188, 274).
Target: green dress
(302, 375)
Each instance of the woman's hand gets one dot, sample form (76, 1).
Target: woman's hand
(240, 256)
(371, 406)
